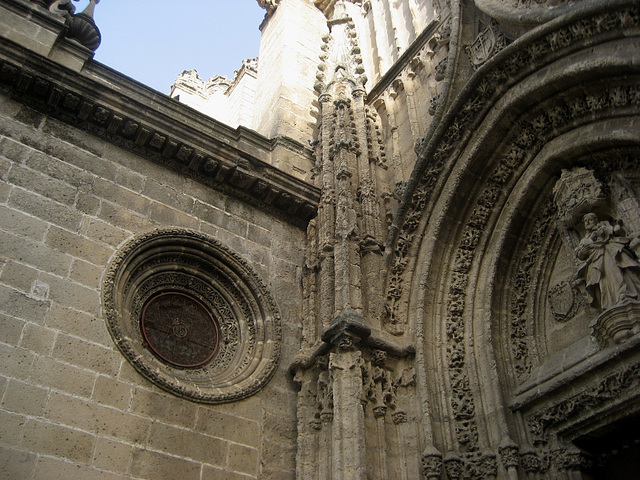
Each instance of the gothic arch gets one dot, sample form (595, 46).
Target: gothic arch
(560, 97)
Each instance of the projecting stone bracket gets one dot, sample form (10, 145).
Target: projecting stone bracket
(617, 324)
(349, 324)
(347, 329)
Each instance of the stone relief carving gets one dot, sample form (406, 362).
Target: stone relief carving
(613, 387)
(563, 301)
(490, 40)
(609, 268)
(485, 89)
(194, 265)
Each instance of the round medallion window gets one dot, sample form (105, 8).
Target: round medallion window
(192, 316)
(179, 329)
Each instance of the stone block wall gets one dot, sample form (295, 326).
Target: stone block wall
(71, 406)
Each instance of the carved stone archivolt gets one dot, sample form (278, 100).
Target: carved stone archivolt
(515, 62)
(169, 290)
(515, 153)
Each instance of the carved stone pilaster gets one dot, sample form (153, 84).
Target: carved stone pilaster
(348, 460)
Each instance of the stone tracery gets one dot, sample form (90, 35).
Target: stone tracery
(197, 266)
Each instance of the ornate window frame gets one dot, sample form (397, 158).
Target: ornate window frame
(183, 261)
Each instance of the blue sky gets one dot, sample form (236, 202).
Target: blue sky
(153, 41)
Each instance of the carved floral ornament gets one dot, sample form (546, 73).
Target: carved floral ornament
(497, 75)
(528, 136)
(191, 316)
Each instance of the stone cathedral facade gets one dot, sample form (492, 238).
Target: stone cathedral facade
(402, 243)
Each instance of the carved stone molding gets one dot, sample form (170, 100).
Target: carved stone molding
(612, 387)
(515, 62)
(198, 154)
(184, 263)
(522, 345)
(617, 324)
(526, 138)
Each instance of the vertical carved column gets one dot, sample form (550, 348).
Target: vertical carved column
(379, 397)
(309, 287)
(380, 413)
(306, 456)
(508, 451)
(347, 256)
(349, 432)
(371, 227)
(326, 217)
(325, 423)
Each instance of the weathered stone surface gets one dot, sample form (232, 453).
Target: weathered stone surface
(403, 248)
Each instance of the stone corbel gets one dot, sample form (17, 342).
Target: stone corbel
(347, 330)
(617, 324)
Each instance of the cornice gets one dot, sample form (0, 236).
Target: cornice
(126, 113)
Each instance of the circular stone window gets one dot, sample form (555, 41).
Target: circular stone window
(179, 329)
(191, 316)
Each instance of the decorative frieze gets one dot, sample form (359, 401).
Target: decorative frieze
(470, 466)
(612, 387)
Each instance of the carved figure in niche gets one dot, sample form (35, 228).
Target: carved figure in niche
(610, 269)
